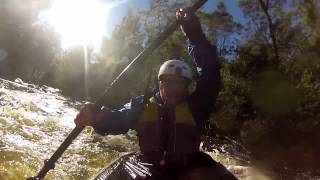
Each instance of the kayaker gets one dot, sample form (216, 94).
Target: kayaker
(170, 123)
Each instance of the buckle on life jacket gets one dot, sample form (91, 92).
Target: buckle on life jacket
(162, 162)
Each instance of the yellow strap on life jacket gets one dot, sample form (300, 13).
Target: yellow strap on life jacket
(150, 111)
(183, 113)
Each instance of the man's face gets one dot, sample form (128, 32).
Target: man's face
(173, 89)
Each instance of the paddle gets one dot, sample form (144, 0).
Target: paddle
(50, 163)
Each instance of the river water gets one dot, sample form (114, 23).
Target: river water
(35, 120)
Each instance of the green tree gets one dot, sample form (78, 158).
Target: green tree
(69, 73)
(116, 53)
(221, 30)
(29, 48)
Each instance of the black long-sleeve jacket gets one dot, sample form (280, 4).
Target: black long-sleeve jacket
(199, 103)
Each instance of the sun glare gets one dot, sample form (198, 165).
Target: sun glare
(79, 22)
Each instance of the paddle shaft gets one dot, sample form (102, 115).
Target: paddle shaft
(144, 54)
(49, 164)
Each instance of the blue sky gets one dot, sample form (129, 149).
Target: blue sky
(120, 11)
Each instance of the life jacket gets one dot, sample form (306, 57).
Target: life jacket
(168, 131)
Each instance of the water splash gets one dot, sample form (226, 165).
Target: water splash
(34, 121)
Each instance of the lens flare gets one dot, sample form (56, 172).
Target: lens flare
(79, 22)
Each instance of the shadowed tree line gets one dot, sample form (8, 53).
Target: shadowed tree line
(270, 97)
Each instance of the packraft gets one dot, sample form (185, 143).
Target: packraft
(131, 167)
(127, 167)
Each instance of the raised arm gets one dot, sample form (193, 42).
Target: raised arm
(207, 88)
(205, 58)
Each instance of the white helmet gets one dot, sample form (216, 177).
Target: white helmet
(176, 67)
